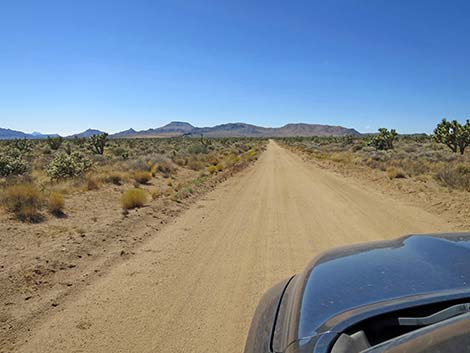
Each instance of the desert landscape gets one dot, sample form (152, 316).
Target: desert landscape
(69, 211)
(152, 235)
(234, 176)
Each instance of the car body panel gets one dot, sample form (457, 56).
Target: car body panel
(344, 286)
(259, 338)
(348, 278)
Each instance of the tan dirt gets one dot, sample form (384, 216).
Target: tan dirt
(194, 286)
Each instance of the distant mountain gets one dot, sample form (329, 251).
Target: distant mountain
(125, 134)
(180, 128)
(301, 129)
(7, 134)
(231, 130)
(175, 128)
(242, 129)
(86, 133)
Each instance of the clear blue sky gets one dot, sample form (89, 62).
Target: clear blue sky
(69, 65)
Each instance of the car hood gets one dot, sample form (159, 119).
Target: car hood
(348, 281)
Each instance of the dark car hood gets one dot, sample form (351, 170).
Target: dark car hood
(339, 282)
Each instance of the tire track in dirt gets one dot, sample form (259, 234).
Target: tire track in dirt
(194, 286)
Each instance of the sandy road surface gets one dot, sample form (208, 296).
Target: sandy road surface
(195, 285)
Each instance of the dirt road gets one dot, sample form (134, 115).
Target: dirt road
(194, 286)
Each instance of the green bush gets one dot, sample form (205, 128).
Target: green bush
(10, 165)
(23, 145)
(121, 152)
(68, 166)
(198, 149)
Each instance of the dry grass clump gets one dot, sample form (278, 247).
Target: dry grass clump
(395, 173)
(92, 182)
(212, 169)
(341, 157)
(25, 201)
(115, 178)
(195, 164)
(142, 177)
(165, 168)
(133, 198)
(457, 176)
(155, 193)
(56, 204)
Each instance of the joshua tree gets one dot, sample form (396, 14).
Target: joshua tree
(54, 142)
(384, 139)
(98, 143)
(453, 134)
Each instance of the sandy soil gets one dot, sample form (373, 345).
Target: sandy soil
(194, 285)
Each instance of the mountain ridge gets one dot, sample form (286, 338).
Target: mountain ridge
(9, 134)
(181, 128)
(239, 129)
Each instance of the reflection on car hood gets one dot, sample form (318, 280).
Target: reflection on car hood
(345, 279)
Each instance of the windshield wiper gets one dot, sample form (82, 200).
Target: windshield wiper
(436, 317)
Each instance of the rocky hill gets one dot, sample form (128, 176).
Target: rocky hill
(177, 128)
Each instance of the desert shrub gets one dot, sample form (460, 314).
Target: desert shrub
(10, 165)
(115, 178)
(198, 149)
(357, 147)
(195, 164)
(212, 169)
(133, 198)
(68, 166)
(212, 159)
(139, 163)
(56, 203)
(54, 142)
(232, 160)
(250, 155)
(219, 167)
(142, 176)
(92, 182)
(395, 173)
(25, 201)
(23, 145)
(457, 176)
(341, 157)
(165, 169)
(183, 193)
(415, 167)
(120, 152)
(180, 161)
